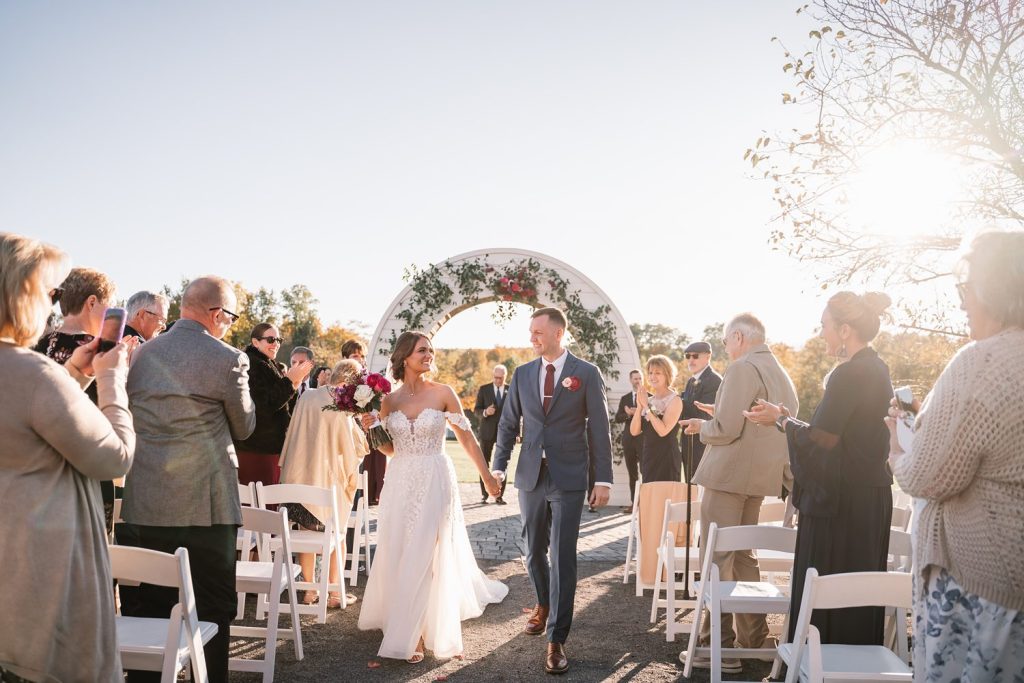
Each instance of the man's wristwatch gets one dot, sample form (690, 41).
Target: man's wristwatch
(780, 423)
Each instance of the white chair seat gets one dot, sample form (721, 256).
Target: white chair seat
(255, 577)
(851, 659)
(141, 640)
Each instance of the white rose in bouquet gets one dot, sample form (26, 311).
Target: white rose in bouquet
(363, 395)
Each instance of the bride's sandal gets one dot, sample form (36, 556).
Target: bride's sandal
(418, 655)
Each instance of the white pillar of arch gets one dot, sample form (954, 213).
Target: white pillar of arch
(591, 296)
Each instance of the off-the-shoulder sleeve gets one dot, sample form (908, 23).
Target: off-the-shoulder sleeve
(459, 420)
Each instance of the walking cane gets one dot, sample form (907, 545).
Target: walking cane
(689, 503)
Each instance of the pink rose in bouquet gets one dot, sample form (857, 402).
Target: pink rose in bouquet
(365, 395)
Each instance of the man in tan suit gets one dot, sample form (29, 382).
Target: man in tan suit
(743, 464)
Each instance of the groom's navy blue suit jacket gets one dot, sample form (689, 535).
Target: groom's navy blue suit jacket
(573, 432)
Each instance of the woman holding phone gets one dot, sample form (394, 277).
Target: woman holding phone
(56, 607)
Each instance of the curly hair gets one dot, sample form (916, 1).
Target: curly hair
(404, 347)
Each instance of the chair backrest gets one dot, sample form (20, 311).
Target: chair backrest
(247, 494)
(751, 537)
(675, 522)
(265, 524)
(901, 517)
(775, 511)
(901, 499)
(901, 548)
(277, 494)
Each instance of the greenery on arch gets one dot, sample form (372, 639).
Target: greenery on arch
(446, 286)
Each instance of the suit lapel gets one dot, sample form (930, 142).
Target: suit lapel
(532, 376)
(567, 370)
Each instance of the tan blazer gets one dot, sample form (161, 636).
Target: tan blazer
(742, 457)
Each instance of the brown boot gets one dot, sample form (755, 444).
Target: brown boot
(538, 621)
(556, 662)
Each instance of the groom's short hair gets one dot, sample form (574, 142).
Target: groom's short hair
(554, 315)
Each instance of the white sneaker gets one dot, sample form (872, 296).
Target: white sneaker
(729, 665)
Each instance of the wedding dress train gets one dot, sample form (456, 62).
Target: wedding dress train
(424, 579)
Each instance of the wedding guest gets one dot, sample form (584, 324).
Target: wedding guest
(489, 400)
(147, 315)
(968, 465)
(375, 464)
(656, 419)
(273, 388)
(323, 448)
(741, 466)
(630, 444)
(318, 374)
(189, 394)
(698, 400)
(84, 296)
(56, 606)
(841, 484)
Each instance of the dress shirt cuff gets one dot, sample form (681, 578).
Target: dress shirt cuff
(603, 483)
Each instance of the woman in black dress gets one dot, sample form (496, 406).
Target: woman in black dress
(842, 485)
(657, 418)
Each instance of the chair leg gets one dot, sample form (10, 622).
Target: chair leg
(324, 584)
(670, 599)
(716, 636)
(293, 609)
(270, 647)
(657, 591)
(691, 646)
(629, 552)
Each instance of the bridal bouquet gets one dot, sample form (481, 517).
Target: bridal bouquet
(364, 395)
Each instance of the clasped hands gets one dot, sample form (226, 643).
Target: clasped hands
(765, 414)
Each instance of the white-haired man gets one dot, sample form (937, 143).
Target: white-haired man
(490, 398)
(742, 464)
(147, 315)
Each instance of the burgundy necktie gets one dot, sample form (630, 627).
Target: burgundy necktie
(549, 386)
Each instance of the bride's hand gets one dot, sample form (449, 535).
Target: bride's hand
(367, 420)
(492, 485)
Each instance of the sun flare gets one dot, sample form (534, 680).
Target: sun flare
(904, 189)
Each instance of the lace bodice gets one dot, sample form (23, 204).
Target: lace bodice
(423, 436)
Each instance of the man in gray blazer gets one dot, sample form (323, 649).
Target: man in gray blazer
(189, 396)
(561, 402)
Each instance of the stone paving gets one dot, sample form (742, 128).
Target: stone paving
(494, 530)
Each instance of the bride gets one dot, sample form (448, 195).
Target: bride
(424, 580)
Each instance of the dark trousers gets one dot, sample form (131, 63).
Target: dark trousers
(487, 447)
(631, 451)
(551, 518)
(211, 556)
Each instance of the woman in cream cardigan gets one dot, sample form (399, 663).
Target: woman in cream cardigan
(967, 463)
(323, 448)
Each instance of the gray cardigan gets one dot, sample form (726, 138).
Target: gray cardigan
(56, 603)
(189, 395)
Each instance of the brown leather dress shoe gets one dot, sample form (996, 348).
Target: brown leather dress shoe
(556, 661)
(538, 621)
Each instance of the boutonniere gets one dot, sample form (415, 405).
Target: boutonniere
(571, 383)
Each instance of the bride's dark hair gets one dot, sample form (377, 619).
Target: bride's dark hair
(404, 347)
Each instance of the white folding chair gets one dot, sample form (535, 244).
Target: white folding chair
(901, 499)
(272, 575)
(320, 543)
(633, 542)
(246, 542)
(359, 522)
(810, 661)
(672, 561)
(742, 597)
(901, 517)
(901, 559)
(153, 644)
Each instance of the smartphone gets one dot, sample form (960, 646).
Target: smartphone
(112, 328)
(905, 399)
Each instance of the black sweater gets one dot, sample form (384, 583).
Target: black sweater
(272, 393)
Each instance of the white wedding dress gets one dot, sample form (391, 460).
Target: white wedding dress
(424, 579)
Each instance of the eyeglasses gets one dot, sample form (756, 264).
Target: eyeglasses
(961, 289)
(691, 356)
(159, 318)
(55, 294)
(233, 316)
(272, 340)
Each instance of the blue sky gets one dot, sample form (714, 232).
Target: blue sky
(335, 143)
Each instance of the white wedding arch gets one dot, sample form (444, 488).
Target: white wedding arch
(435, 295)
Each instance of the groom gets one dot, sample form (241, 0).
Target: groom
(561, 401)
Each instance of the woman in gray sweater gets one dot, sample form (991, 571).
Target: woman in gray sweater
(56, 606)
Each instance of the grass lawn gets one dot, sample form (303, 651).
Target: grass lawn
(464, 469)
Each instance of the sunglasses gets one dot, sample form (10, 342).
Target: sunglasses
(691, 356)
(55, 294)
(272, 340)
(233, 316)
(961, 289)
